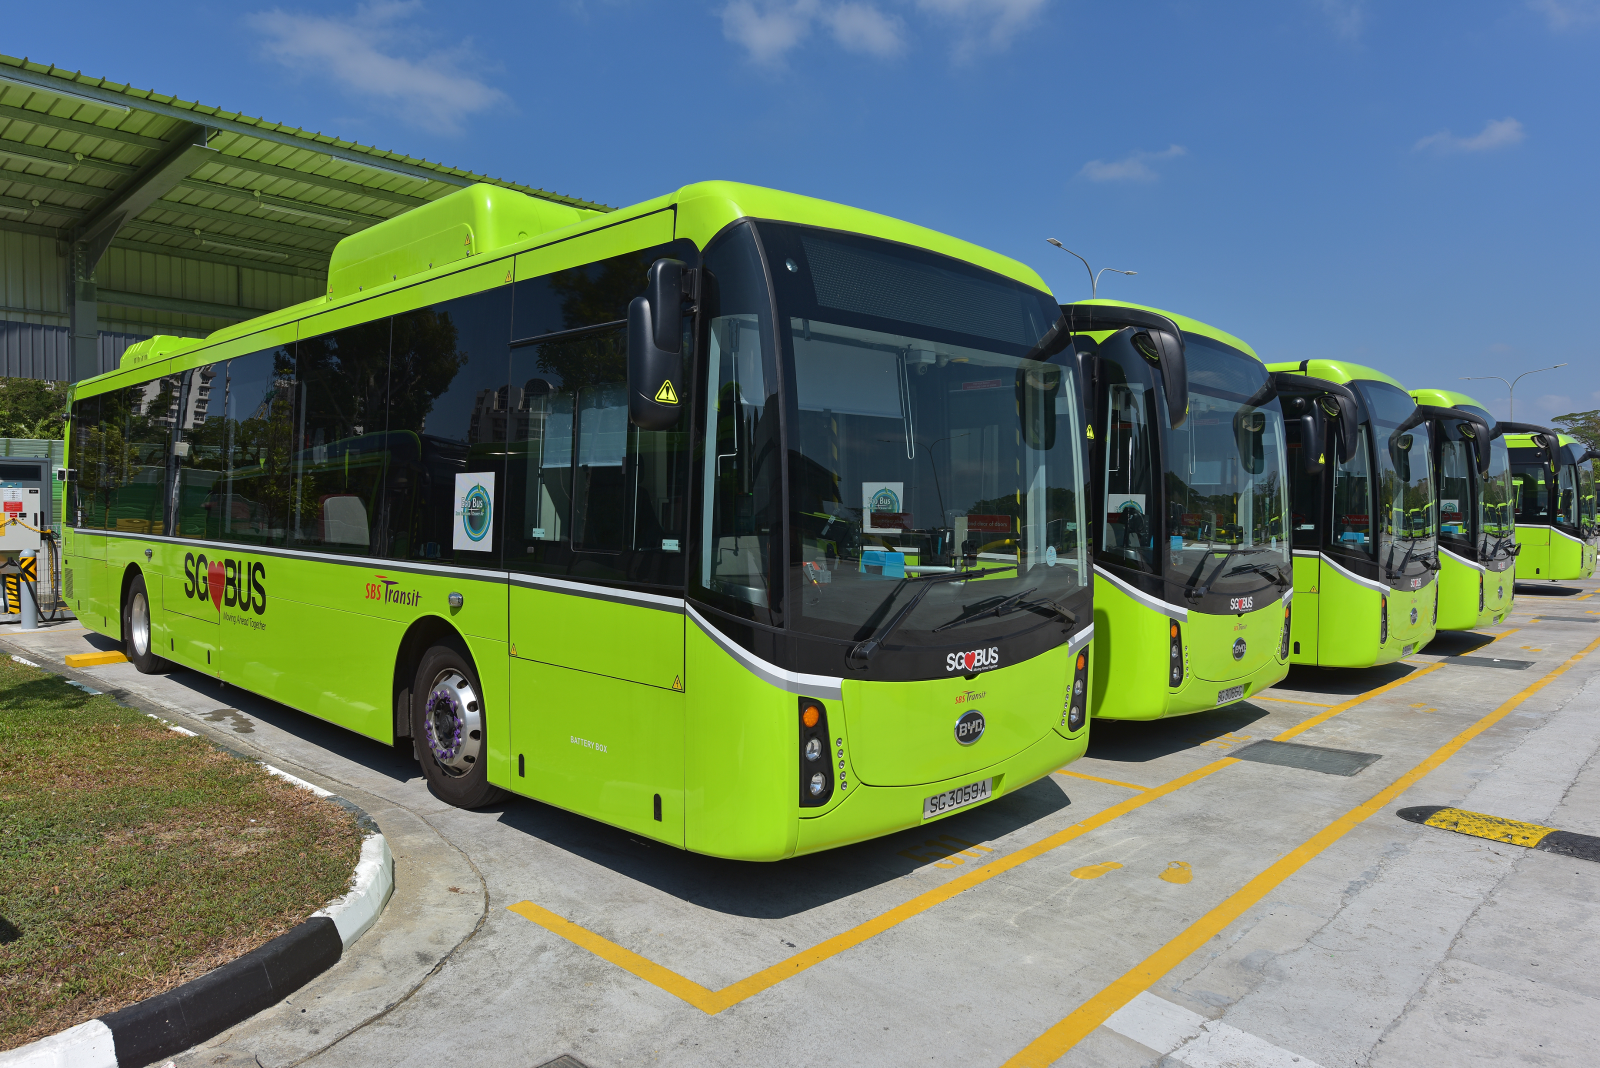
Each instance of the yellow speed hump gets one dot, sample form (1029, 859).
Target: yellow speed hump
(666, 394)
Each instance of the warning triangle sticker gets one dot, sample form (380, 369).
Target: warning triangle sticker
(666, 394)
(677, 682)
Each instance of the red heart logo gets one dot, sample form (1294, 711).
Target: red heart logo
(216, 578)
(971, 659)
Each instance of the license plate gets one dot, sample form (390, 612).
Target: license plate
(960, 797)
(1232, 693)
(1406, 651)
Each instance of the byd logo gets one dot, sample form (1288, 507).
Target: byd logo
(236, 583)
(975, 660)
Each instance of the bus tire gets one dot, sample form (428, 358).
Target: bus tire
(137, 640)
(449, 730)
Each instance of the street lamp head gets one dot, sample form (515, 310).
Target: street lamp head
(1056, 243)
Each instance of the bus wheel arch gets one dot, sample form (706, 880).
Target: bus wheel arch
(136, 621)
(423, 633)
(447, 724)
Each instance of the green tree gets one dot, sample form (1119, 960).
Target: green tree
(1585, 426)
(30, 408)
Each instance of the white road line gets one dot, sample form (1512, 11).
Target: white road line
(1191, 1039)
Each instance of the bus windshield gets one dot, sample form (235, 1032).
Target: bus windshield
(924, 435)
(1499, 515)
(1227, 498)
(1407, 531)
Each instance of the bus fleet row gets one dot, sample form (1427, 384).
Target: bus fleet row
(758, 525)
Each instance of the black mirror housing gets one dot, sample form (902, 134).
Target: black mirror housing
(1037, 388)
(655, 348)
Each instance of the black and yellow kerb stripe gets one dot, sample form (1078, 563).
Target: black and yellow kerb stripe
(1512, 832)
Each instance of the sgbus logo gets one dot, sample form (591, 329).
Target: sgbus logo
(238, 584)
(975, 660)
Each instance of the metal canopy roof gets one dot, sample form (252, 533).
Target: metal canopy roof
(100, 165)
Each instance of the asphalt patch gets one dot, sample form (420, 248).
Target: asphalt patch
(1489, 662)
(1307, 757)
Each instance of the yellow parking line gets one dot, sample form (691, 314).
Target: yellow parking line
(714, 1001)
(1054, 1043)
(1096, 778)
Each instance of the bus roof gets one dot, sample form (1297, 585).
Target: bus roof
(1445, 398)
(1340, 371)
(483, 223)
(1186, 324)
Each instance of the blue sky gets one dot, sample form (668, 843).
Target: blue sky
(1410, 185)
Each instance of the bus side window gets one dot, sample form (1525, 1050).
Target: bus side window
(587, 493)
(200, 453)
(253, 505)
(449, 413)
(1353, 501)
(1128, 521)
(85, 501)
(340, 432)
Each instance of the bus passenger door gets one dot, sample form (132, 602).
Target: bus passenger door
(594, 524)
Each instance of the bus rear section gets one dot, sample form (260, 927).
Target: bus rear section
(1193, 593)
(1553, 482)
(803, 566)
(1364, 526)
(1477, 527)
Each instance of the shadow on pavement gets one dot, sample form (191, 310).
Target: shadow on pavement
(1343, 682)
(1456, 642)
(1541, 590)
(1136, 741)
(784, 888)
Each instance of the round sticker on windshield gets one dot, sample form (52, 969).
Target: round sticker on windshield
(475, 512)
(1049, 556)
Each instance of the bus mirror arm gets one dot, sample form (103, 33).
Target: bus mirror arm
(655, 347)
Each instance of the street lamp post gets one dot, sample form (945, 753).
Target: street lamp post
(1511, 408)
(1094, 276)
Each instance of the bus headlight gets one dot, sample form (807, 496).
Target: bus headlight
(1383, 622)
(1480, 599)
(816, 784)
(1283, 644)
(1174, 655)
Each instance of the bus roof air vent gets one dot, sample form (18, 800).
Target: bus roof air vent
(156, 348)
(468, 222)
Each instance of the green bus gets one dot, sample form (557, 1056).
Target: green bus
(1191, 554)
(1477, 525)
(1553, 479)
(663, 515)
(1365, 534)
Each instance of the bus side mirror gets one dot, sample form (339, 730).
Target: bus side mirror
(1165, 350)
(1400, 452)
(655, 347)
(1248, 430)
(1037, 388)
(1311, 442)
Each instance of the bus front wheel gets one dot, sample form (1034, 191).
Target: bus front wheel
(448, 725)
(137, 641)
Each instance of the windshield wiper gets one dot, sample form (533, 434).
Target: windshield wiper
(1011, 604)
(1195, 592)
(862, 651)
(1274, 570)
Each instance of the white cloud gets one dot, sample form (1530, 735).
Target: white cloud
(768, 30)
(863, 28)
(1496, 133)
(435, 90)
(1348, 17)
(986, 24)
(1134, 167)
(1564, 15)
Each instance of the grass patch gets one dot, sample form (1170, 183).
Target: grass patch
(133, 859)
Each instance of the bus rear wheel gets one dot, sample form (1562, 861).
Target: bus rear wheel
(137, 632)
(448, 725)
